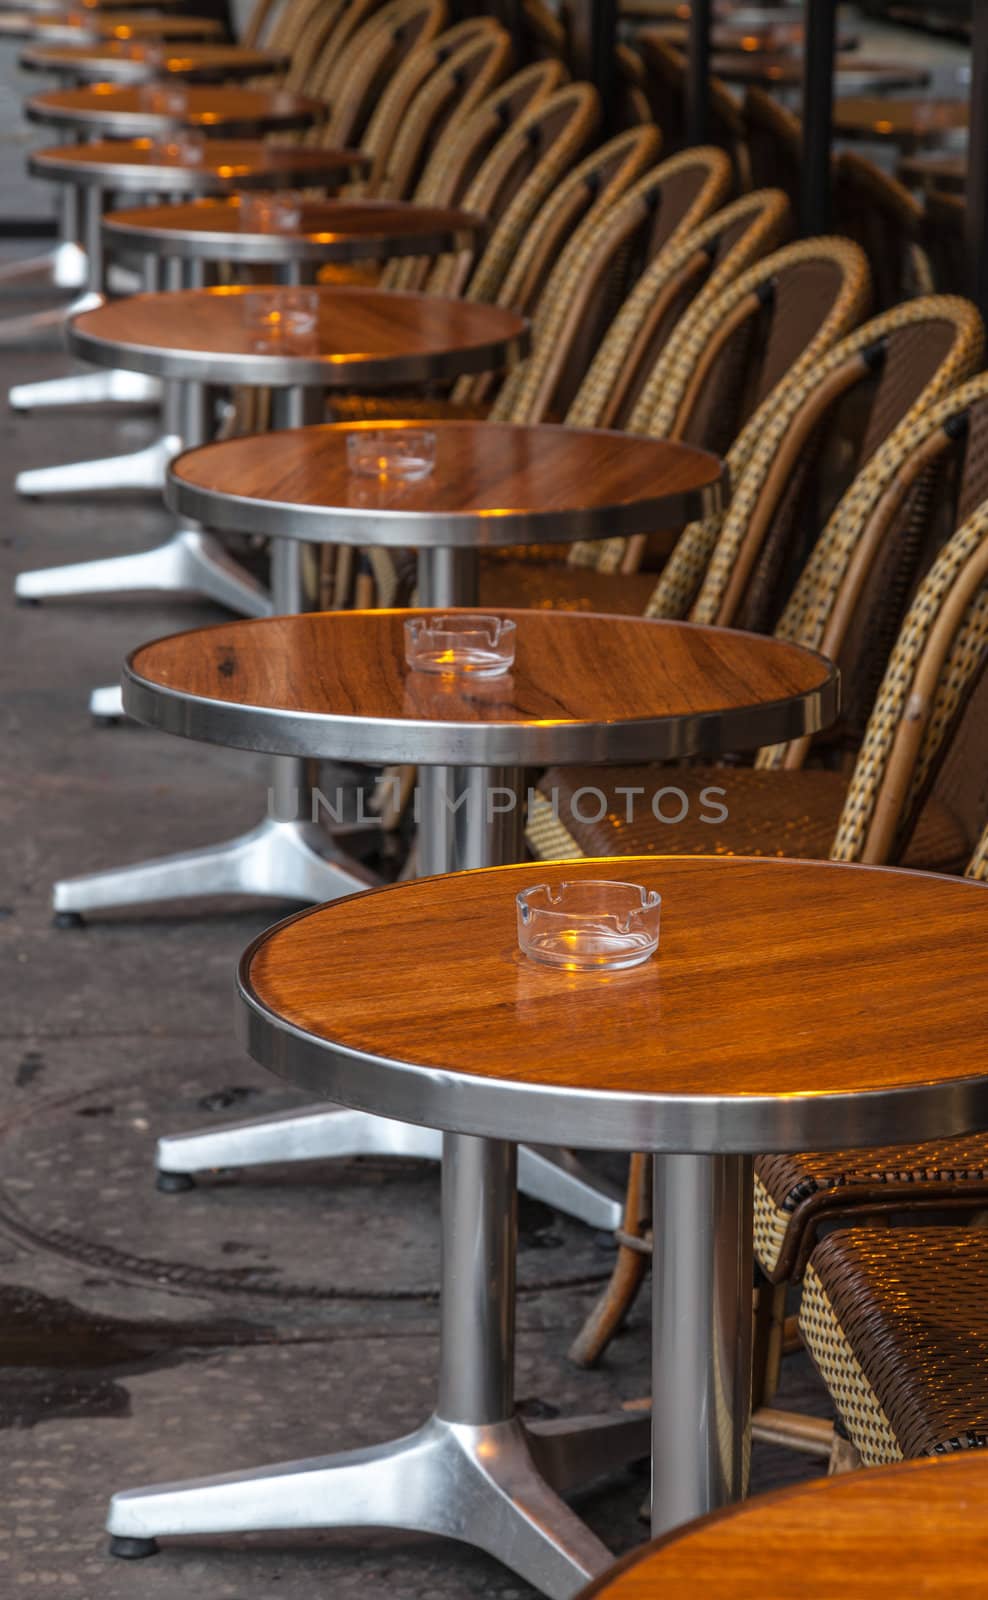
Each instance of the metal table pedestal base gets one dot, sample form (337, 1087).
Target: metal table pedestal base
(190, 562)
(474, 1472)
(142, 470)
(112, 386)
(555, 1177)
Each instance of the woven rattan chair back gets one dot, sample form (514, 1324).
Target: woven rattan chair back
(262, 21)
(697, 267)
(532, 157)
(578, 204)
(880, 215)
(937, 673)
(352, 79)
(616, 241)
(942, 234)
(435, 87)
(879, 379)
(666, 87)
(774, 141)
(716, 379)
(281, 26)
(322, 26)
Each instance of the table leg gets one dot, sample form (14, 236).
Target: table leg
(63, 268)
(474, 1472)
(701, 1335)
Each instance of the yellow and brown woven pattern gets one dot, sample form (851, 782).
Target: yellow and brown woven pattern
(964, 344)
(660, 402)
(977, 867)
(893, 698)
(897, 1323)
(559, 130)
(793, 1193)
(762, 219)
(575, 271)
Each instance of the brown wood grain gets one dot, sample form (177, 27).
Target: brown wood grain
(773, 977)
(354, 323)
(320, 218)
(569, 667)
(199, 58)
(482, 468)
(129, 25)
(912, 1530)
(888, 117)
(205, 106)
(229, 159)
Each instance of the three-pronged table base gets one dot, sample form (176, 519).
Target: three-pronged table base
(13, 329)
(138, 470)
(556, 1177)
(112, 386)
(276, 860)
(190, 562)
(495, 1486)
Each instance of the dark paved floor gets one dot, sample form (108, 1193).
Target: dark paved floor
(145, 1336)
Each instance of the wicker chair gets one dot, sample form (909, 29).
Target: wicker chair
(774, 142)
(432, 91)
(351, 79)
(715, 383)
(812, 813)
(880, 215)
(894, 1318)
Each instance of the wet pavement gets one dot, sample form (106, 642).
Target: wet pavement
(148, 1336)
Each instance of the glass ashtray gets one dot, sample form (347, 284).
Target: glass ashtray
(589, 926)
(186, 148)
(483, 647)
(406, 454)
(164, 99)
(277, 211)
(272, 315)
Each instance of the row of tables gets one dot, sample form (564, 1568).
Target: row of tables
(456, 1031)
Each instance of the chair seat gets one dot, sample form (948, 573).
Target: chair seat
(550, 585)
(775, 812)
(795, 1193)
(896, 1321)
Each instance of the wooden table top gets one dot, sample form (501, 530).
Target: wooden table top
(226, 164)
(71, 27)
(910, 120)
(910, 1529)
(115, 59)
(612, 688)
(217, 109)
(735, 38)
(787, 71)
(492, 484)
(788, 1001)
(58, 7)
(364, 336)
(929, 171)
(328, 230)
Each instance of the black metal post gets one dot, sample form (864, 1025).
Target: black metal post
(977, 164)
(818, 96)
(698, 73)
(593, 25)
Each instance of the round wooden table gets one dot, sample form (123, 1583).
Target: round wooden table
(328, 230)
(84, 7)
(909, 123)
(766, 37)
(897, 1529)
(493, 485)
(853, 74)
(115, 61)
(141, 166)
(74, 27)
(124, 112)
(772, 1017)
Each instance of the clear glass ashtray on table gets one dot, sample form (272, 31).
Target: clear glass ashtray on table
(184, 147)
(274, 211)
(165, 99)
(403, 454)
(591, 925)
(272, 315)
(483, 647)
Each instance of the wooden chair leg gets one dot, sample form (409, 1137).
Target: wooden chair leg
(618, 1297)
(770, 1318)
